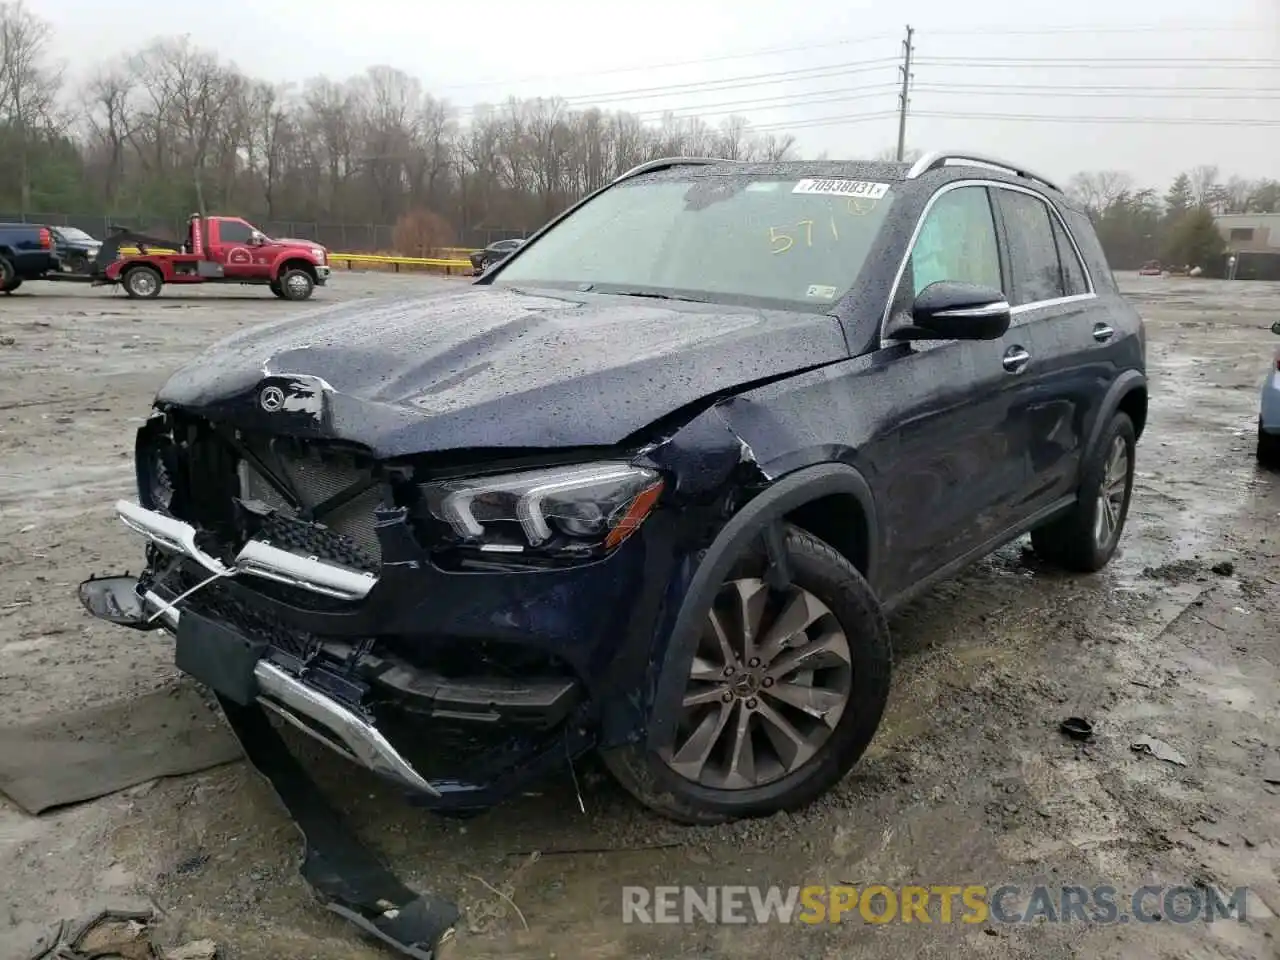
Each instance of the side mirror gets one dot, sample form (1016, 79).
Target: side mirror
(1275, 328)
(256, 239)
(950, 310)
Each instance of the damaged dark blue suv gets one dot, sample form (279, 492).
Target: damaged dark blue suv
(649, 486)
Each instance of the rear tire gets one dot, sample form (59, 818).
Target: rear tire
(1268, 453)
(1085, 539)
(9, 279)
(820, 573)
(142, 282)
(295, 284)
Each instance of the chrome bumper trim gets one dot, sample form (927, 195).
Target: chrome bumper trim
(345, 733)
(255, 559)
(168, 614)
(352, 737)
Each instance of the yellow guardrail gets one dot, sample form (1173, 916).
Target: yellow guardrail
(448, 264)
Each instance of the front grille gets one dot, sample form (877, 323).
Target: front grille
(216, 470)
(316, 479)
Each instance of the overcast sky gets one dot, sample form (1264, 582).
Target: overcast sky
(834, 56)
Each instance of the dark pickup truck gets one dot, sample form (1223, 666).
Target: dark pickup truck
(26, 253)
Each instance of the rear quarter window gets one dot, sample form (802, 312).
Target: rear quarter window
(1082, 229)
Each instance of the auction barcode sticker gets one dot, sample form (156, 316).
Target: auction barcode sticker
(843, 188)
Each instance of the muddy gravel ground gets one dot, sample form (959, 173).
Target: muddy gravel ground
(968, 782)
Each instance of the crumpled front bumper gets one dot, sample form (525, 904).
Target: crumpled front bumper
(303, 705)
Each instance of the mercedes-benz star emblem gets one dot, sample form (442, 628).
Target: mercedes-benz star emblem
(272, 399)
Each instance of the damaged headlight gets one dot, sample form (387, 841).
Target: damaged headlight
(582, 506)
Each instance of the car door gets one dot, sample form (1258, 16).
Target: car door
(229, 246)
(1061, 326)
(955, 468)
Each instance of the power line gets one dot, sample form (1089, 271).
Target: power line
(1117, 63)
(958, 115)
(728, 83)
(767, 51)
(1071, 90)
(782, 127)
(1202, 29)
(1123, 92)
(1043, 118)
(790, 101)
(1077, 28)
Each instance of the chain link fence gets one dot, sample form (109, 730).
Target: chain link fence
(339, 237)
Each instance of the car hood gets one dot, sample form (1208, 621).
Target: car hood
(279, 243)
(493, 367)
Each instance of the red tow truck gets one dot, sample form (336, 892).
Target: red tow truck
(217, 250)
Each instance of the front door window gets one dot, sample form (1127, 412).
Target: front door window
(957, 241)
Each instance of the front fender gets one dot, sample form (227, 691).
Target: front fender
(788, 493)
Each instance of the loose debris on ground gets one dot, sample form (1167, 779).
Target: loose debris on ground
(117, 935)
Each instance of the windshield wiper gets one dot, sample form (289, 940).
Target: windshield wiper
(655, 296)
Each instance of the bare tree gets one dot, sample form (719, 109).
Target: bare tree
(107, 96)
(1204, 185)
(197, 91)
(1098, 190)
(29, 87)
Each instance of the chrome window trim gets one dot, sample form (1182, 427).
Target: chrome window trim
(1021, 308)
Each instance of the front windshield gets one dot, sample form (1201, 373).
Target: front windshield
(71, 233)
(713, 238)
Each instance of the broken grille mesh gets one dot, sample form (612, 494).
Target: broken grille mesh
(351, 538)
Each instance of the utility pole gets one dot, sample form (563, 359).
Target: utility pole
(905, 69)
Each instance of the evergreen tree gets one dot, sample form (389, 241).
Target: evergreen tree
(1180, 198)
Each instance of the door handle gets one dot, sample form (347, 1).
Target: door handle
(1102, 332)
(1016, 359)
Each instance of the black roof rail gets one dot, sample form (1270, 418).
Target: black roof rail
(940, 158)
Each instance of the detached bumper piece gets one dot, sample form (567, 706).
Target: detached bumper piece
(346, 876)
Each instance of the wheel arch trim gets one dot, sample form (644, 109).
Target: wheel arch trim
(772, 504)
(1124, 384)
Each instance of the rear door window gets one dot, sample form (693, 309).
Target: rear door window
(1033, 250)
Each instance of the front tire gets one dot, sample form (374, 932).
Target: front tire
(275, 288)
(1268, 452)
(1085, 539)
(786, 691)
(142, 283)
(296, 284)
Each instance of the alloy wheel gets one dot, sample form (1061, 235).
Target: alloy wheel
(770, 680)
(1111, 493)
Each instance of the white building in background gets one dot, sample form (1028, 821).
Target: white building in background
(1253, 245)
(1251, 232)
